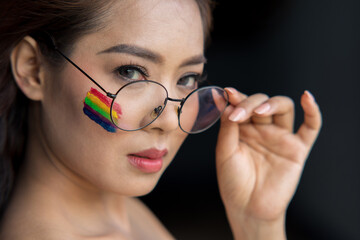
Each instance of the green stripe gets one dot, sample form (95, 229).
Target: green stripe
(97, 108)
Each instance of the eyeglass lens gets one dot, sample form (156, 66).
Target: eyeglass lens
(138, 104)
(202, 109)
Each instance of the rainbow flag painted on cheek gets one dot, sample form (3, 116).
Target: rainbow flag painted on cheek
(97, 108)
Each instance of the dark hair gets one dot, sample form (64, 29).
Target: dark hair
(66, 21)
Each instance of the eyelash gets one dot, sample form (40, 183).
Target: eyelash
(142, 70)
(201, 78)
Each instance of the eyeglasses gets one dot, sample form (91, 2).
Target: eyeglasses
(140, 102)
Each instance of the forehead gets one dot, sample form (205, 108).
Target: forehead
(161, 25)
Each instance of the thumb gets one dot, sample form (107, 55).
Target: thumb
(310, 128)
(228, 136)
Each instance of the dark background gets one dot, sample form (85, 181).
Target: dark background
(279, 47)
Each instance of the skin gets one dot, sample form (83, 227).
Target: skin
(77, 183)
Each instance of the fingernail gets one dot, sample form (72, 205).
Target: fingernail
(263, 108)
(231, 90)
(237, 115)
(309, 95)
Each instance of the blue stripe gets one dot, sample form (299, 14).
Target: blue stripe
(99, 121)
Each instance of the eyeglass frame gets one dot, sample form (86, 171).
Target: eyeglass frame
(113, 96)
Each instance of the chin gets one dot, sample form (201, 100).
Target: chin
(135, 186)
(139, 191)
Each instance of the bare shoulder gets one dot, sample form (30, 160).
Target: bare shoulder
(144, 222)
(32, 232)
(17, 224)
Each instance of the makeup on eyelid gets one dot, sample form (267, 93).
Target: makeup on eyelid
(97, 108)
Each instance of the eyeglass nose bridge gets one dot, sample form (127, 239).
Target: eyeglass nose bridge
(181, 101)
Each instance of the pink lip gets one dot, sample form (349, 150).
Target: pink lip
(148, 161)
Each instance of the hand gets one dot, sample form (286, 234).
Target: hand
(259, 159)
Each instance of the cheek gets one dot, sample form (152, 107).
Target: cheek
(67, 128)
(75, 141)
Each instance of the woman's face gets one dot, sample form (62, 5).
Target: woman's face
(163, 41)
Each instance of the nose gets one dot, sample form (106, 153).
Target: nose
(168, 120)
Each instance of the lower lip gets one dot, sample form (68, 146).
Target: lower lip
(145, 164)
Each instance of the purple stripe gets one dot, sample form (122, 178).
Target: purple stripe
(98, 118)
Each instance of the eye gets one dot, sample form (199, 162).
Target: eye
(132, 72)
(189, 81)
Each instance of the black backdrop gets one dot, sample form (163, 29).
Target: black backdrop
(279, 47)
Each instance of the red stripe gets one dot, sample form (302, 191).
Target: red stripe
(106, 100)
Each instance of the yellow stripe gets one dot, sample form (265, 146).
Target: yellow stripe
(101, 105)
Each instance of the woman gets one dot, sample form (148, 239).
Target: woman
(84, 131)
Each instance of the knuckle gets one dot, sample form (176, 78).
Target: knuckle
(285, 101)
(255, 99)
(262, 95)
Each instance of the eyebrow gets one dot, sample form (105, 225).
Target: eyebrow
(199, 59)
(150, 55)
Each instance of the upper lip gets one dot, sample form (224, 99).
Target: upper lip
(151, 153)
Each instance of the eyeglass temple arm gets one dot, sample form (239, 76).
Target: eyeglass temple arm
(77, 67)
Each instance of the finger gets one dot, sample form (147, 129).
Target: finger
(244, 110)
(228, 136)
(280, 109)
(309, 130)
(235, 97)
(262, 120)
(220, 99)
